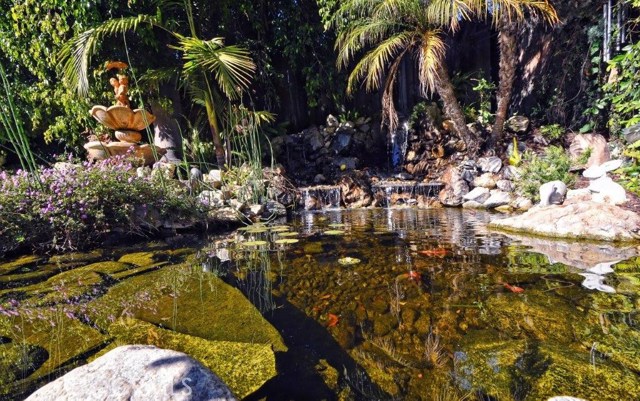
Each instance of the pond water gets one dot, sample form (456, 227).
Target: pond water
(385, 304)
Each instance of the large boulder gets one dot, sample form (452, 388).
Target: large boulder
(596, 144)
(137, 372)
(583, 220)
(455, 188)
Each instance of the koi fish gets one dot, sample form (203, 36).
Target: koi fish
(437, 252)
(414, 275)
(513, 288)
(332, 320)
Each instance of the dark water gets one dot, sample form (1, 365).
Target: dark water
(398, 304)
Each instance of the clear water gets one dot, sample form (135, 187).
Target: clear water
(399, 304)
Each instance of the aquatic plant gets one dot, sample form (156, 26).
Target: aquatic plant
(74, 205)
(433, 352)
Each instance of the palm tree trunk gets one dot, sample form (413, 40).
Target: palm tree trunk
(453, 110)
(218, 147)
(506, 74)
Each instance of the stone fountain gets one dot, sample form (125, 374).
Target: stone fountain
(126, 123)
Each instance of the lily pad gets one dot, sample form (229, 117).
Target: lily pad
(279, 229)
(288, 234)
(348, 261)
(336, 225)
(287, 241)
(257, 230)
(334, 232)
(254, 243)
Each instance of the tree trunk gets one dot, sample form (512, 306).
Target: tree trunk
(215, 134)
(506, 75)
(453, 110)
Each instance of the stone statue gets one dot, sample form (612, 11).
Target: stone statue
(120, 89)
(552, 193)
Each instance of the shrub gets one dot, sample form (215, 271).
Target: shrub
(73, 207)
(536, 170)
(552, 132)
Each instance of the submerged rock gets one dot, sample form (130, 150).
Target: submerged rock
(138, 372)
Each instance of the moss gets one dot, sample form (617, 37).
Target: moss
(533, 314)
(572, 372)
(76, 257)
(189, 301)
(244, 367)
(139, 259)
(18, 361)
(10, 267)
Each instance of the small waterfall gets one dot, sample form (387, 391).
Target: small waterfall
(403, 193)
(321, 197)
(398, 145)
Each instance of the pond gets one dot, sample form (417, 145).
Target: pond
(367, 304)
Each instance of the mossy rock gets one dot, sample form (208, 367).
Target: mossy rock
(572, 372)
(140, 259)
(18, 361)
(187, 300)
(243, 366)
(534, 314)
(10, 267)
(63, 337)
(77, 257)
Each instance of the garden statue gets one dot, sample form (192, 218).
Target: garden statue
(125, 122)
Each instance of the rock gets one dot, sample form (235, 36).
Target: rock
(65, 167)
(256, 209)
(213, 198)
(594, 172)
(224, 215)
(455, 188)
(486, 180)
(584, 220)
(236, 204)
(477, 194)
(332, 121)
(497, 198)
(274, 209)
(611, 165)
(341, 143)
(195, 174)
(319, 179)
(314, 141)
(491, 164)
(346, 163)
(511, 173)
(142, 172)
(631, 134)
(472, 205)
(578, 195)
(552, 193)
(597, 145)
(605, 190)
(214, 178)
(522, 203)
(469, 171)
(565, 398)
(138, 372)
(167, 169)
(365, 128)
(505, 185)
(517, 124)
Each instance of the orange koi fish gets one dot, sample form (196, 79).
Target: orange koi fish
(513, 288)
(437, 252)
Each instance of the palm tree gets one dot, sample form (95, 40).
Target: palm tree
(505, 16)
(210, 70)
(397, 28)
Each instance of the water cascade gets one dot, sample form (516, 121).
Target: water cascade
(321, 197)
(398, 145)
(396, 193)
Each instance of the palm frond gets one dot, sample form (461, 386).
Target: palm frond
(430, 55)
(75, 56)
(358, 35)
(231, 66)
(449, 13)
(372, 66)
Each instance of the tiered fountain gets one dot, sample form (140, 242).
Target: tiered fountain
(126, 123)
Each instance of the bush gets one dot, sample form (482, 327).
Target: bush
(74, 207)
(536, 170)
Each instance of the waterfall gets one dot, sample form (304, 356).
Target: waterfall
(404, 193)
(321, 197)
(398, 145)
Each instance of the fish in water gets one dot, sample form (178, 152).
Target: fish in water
(332, 320)
(513, 288)
(437, 252)
(414, 275)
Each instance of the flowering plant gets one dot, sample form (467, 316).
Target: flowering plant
(72, 206)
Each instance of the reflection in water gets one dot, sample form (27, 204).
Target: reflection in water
(440, 306)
